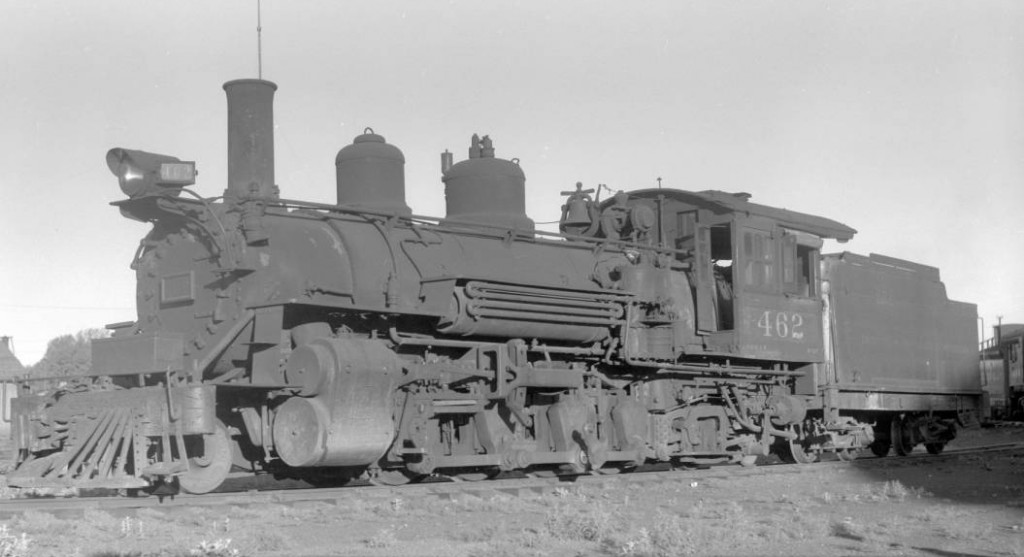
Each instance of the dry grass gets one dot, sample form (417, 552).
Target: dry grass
(35, 522)
(791, 515)
(215, 548)
(486, 532)
(889, 491)
(12, 545)
(594, 525)
(954, 523)
(666, 536)
(384, 538)
(150, 533)
(574, 523)
(686, 524)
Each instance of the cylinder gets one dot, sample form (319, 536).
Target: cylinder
(486, 190)
(351, 421)
(250, 139)
(300, 431)
(371, 175)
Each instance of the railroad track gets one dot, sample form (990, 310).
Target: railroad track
(298, 493)
(1003, 423)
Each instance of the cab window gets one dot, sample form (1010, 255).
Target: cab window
(800, 263)
(759, 261)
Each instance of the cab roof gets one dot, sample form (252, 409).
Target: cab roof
(720, 201)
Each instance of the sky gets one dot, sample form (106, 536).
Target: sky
(904, 120)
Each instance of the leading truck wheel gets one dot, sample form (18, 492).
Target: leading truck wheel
(209, 461)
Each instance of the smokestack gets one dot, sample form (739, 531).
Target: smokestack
(250, 139)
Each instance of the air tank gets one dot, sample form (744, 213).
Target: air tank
(371, 175)
(486, 190)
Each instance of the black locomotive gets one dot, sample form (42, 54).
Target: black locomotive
(1002, 372)
(358, 340)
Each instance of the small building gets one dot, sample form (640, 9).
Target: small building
(10, 367)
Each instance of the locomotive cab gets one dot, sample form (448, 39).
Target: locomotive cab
(753, 270)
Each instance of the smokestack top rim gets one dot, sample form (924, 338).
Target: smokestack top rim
(250, 81)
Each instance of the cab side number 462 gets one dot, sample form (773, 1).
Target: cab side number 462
(781, 324)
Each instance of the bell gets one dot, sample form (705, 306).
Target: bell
(577, 212)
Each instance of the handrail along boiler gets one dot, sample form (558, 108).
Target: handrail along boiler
(359, 340)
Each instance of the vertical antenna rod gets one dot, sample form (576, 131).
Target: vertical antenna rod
(259, 39)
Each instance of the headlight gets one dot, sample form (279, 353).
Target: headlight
(140, 173)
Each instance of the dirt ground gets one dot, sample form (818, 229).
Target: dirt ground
(968, 505)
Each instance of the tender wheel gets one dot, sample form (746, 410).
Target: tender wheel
(209, 461)
(902, 442)
(934, 448)
(880, 448)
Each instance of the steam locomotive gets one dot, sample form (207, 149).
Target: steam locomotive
(358, 340)
(1002, 372)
